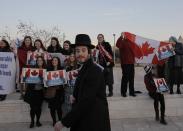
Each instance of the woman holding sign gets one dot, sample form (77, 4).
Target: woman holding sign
(90, 108)
(36, 94)
(56, 97)
(22, 52)
(38, 50)
(4, 47)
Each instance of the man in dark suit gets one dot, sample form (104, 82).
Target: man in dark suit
(90, 108)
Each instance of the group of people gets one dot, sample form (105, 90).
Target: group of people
(88, 95)
(89, 91)
(171, 70)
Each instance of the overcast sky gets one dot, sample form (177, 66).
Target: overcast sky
(155, 19)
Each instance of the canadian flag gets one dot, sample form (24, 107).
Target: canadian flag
(145, 49)
(33, 72)
(53, 75)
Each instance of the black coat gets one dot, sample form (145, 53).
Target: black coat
(108, 69)
(50, 49)
(108, 48)
(90, 110)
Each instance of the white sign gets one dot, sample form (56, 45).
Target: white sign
(7, 72)
(165, 52)
(54, 78)
(161, 85)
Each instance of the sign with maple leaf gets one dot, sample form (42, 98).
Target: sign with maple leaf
(165, 52)
(54, 78)
(32, 57)
(147, 49)
(161, 85)
(144, 49)
(33, 75)
(59, 55)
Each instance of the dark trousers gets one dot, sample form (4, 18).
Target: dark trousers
(35, 111)
(159, 98)
(175, 77)
(128, 73)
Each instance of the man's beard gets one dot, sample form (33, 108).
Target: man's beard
(82, 62)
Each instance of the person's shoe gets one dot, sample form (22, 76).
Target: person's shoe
(124, 95)
(178, 92)
(31, 125)
(163, 122)
(54, 124)
(133, 95)
(38, 124)
(3, 98)
(171, 92)
(110, 94)
(17, 90)
(157, 118)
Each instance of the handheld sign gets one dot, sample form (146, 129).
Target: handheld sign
(33, 75)
(161, 85)
(54, 78)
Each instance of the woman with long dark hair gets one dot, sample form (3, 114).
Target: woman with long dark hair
(66, 48)
(22, 57)
(36, 93)
(55, 103)
(38, 46)
(54, 46)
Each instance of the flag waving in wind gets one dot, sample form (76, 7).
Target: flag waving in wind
(144, 49)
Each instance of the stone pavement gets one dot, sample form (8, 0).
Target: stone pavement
(126, 124)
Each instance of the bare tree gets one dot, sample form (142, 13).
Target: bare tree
(45, 35)
(5, 34)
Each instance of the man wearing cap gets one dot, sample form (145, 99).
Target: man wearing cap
(158, 97)
(90, 108)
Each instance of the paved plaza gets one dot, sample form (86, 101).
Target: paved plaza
(127, 114)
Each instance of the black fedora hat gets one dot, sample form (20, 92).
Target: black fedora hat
(83, 40)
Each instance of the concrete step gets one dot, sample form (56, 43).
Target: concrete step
(14, 110)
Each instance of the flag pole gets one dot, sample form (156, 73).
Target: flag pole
(114, 51)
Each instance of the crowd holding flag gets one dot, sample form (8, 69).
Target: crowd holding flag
(59, 69)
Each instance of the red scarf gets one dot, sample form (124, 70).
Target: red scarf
(104, 53)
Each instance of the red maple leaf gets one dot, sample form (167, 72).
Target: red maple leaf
(27, 73)
(147, 49)
(55, 75)
(34, 73)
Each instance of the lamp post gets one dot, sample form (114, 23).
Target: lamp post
(114, 52)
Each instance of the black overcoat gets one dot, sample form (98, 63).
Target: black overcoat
(90, 110)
